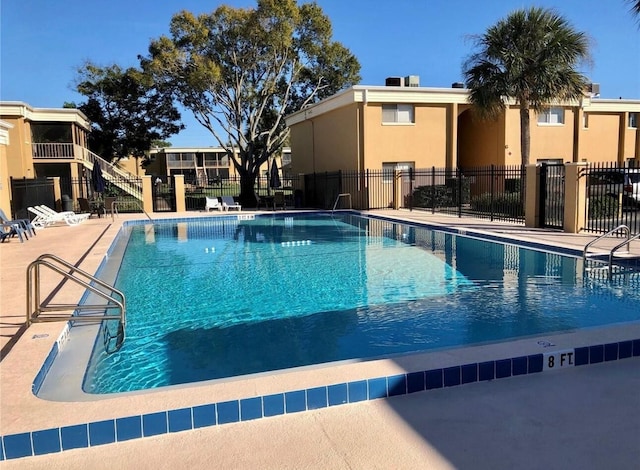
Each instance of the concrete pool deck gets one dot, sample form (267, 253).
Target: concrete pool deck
(528, 421)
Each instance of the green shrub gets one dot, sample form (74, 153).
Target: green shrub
(603, 207)
(505, 203)
(442, 195)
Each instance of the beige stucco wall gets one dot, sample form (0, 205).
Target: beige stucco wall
(19, 158)
(552, 140)
(5, 196)
(599, 141)
(480, 142)
(326, 143)
(132, 165)
(423, 142)
(547, 141)
(301, 139)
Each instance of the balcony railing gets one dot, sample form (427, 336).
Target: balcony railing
(55, 151)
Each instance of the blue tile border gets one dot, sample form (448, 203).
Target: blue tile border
(40, 442)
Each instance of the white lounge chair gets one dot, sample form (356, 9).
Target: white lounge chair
(46, 216)
(212, 203)
(229, 203)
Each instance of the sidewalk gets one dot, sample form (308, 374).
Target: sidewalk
(584, 418)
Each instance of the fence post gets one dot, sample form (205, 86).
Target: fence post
(433, 189)
(532, 191)
(397, 187)
(57, 192)
(575, 197)
(178, 182)
(459, 184)
(492, 185)
(147, 194)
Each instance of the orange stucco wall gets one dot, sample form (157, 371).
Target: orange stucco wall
(552, 140)
(326, 143)
(19, 159)
(480, 142)
(423, 142)
(599, 141)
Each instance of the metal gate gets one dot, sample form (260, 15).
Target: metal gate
(164, 194)
(552, 196)
(31, 192)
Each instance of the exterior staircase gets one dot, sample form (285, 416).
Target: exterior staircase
(116, 176)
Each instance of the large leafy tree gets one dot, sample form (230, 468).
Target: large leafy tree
(531, 57)
(126, 111)
(240, 71)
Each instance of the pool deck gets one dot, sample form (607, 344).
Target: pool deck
(581, 417)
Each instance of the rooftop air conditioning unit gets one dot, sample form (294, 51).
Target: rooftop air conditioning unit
(393, 81)
(412, 81)
(594, 88)
(457, 85)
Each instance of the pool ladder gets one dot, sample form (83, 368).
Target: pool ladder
(616, 260)
(43, 310)
(341, 195)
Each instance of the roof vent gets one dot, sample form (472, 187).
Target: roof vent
(393, 81)
(457, 85)
(412, 81)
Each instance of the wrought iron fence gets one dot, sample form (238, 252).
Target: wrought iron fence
(196, 191)
(368, 189)
(613, 197)
(492, 192)
(74, 188)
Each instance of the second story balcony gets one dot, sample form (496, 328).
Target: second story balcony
(57, 151)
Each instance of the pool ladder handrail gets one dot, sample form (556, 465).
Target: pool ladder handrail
(37, 309)
(335, 204)
(613, 252)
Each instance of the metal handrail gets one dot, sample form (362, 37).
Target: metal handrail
(338, 198)
(35, 307)
(620, 228)
(620, 245)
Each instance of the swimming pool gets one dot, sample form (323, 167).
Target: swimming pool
(223, 297)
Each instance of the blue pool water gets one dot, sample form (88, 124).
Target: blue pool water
(219, 298)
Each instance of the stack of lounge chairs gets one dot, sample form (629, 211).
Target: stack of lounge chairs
(21, 228)
(45, 216)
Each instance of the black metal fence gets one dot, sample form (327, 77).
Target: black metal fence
(127, 191)
(492, 192)
(613, 197)
(551, 202)
(30, 192)
(196, 192)
(368, 189)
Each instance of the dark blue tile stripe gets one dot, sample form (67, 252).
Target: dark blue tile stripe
(134, 427)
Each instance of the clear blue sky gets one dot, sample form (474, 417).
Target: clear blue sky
(42, 42)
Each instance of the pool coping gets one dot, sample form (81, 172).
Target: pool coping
(277, 393)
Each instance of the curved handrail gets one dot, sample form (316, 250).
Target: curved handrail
(338, 199)
(83, 278)
(620, 245)
(622, 228)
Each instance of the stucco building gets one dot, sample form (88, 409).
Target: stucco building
(397, 127)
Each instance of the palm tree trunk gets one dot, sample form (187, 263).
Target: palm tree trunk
(525, 133)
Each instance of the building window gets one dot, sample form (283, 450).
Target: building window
(388, 170)
(633, 120)
(585, 121)
(553, 115)
(398, 113)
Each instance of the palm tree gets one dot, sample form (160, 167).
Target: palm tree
(635, 7)
(530, 57)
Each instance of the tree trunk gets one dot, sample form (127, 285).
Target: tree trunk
(525, 144)
(525, 133)
(247, 192)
